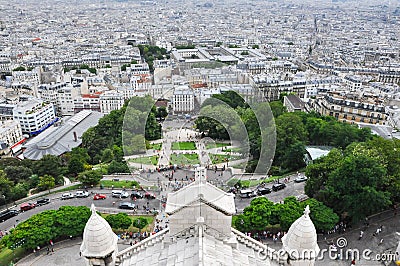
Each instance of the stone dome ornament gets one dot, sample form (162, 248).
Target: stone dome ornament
(300, 242)
(99, 245)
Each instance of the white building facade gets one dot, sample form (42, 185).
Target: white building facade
(183, 100)
(34, 115)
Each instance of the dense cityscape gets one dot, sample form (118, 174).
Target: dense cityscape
(199, 132)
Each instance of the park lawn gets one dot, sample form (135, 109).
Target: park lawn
(119, 184)
(253, 182)
(222, 158)
(216, 145)
(148, 228)
(7, 256)
(180, 159)
(155, 146)
(239, 165)
(145, 160)
(237, 149)
(184, 145)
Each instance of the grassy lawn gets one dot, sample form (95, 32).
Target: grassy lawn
(148, 228)
(184, 159)
(240, 165)
(7, 256)
(216, 145)
(183, 145)
(119, 184)
(145, 160)
(233, 150)
(155, 146)
(252, 183)
(221, 158)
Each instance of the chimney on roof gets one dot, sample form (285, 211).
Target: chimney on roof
(75, 137)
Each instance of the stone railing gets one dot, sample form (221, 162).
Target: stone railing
(150, 241)
(263, 250)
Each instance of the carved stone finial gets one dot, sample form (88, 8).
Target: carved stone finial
(307, 211)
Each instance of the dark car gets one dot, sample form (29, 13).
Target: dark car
(7, 214)
(136, 194)
(42, 202)
(278, 186)
(27, 206)
(149, 195)
(127, 205)
(264, 190)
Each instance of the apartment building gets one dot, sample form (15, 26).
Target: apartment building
(10, 132)
(87, 102)
(183, 100)
(351, 107)
(34, 115)
(110, 101)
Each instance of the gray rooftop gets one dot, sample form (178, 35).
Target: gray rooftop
(62, 139)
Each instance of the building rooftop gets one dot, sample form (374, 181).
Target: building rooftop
(63, 138)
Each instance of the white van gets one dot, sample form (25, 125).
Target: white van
(81, 194)
(247, 193)
(119, 194)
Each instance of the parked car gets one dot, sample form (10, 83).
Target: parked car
(81, 194)
(149, 195)
(119, 194)
(127, 205)
(41, 202)
(300, 178)
(247, 193)
(232, 190)
(136, 194)
(7, 214)
(278, 186)
(99, 197)
(67, 195)
(263, 191)
(27, 206)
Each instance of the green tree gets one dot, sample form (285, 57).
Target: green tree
(232, 98)
(258, 213)
(51, 224)
(352, 187)
(319, 171)
(81, 154)
(20, 191)
(277, 108)
(5, 187)
(119, 221)
(162, 112)
(117, 167)
(140, 223)
(90, 177)
(18, 173)
(107, 155)
(323, 217)
(75, 166)
(293, 158)
(50, 165)
(289, 130)
(71, 220)
(243, 223)
(46, 182)
(20, 68)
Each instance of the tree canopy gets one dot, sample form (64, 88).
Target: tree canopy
(263, 213)
(359, 181)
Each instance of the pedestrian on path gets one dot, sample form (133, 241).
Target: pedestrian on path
(353, 262)
(361, 235)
